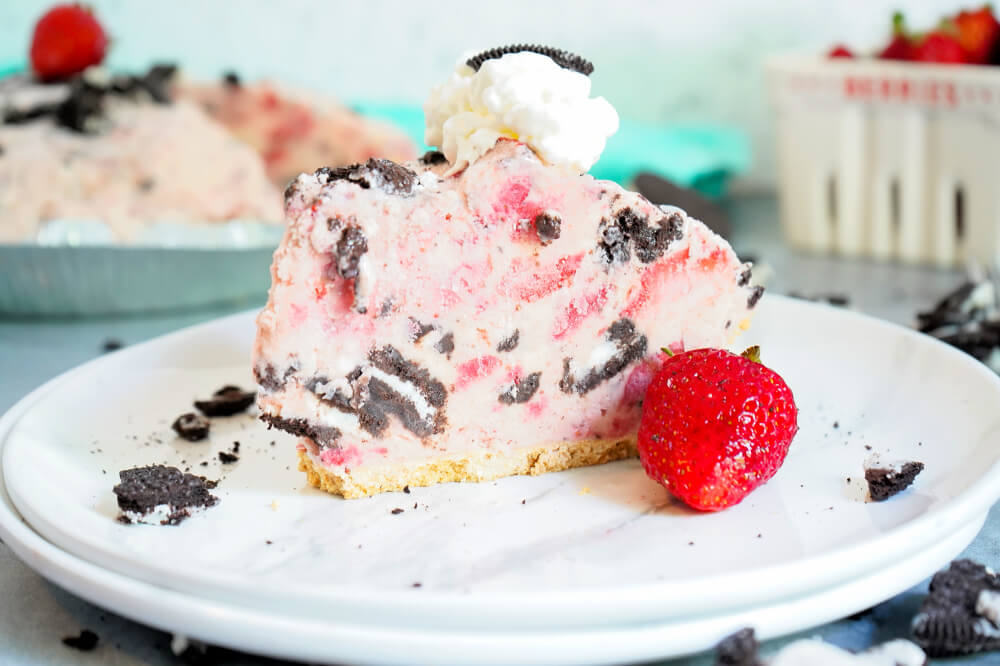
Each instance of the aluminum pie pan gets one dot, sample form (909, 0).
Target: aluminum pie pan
(73, 269)
(86, 281)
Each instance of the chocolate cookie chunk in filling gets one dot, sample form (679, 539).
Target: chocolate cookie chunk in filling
(521, 390)
(623, 345)
(376, 173)
(629, 231)
(324, 436)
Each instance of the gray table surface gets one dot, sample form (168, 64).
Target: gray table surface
(35, 614)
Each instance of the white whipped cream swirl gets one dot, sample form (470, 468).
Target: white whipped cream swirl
(523, 96)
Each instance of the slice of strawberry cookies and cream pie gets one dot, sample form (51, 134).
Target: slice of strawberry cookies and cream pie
(488, 310)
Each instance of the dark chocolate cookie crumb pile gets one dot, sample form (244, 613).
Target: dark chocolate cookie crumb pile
(951, 620)
(191, 427)
(227, 401)
(142, 489)
(83, 109)
(564, 59)
(886, 481)
(968, 318)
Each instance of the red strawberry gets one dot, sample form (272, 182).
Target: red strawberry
(67, 40)
(715, 426)
(840, 51)
(977, 33)
(900, 47)
(940, 47)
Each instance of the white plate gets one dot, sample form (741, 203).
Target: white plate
(485, 560)
(321, 639)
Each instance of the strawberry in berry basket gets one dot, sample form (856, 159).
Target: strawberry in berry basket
(977, 33)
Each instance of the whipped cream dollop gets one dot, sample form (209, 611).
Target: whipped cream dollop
(522, 96)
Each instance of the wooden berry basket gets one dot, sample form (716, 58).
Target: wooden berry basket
(889, 160)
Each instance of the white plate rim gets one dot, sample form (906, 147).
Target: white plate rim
(212, 621)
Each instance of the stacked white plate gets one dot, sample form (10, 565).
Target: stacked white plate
(593, 565)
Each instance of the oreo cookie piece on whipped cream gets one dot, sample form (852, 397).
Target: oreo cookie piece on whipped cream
(564, 59)
(961, 612)
(161, 495)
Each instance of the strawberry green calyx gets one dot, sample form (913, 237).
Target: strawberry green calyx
(752, 353)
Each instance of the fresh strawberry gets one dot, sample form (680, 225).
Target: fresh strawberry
(977, 33)
(715, 426)
(900, 47)
(840, 51)
(940, 47)
(67, 40)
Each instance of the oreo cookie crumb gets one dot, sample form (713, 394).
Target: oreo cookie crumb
(417, 585)
(548, 226)
(232, 79)
(227, 401)
(162, 494)
(85, 642)
(385, 175)
(521, 390)
(228, 458)
(406, 489)
(745, 276)
(446, 345)
(629, 231)
(564, 59)
(396, 511)
(739, 649)
(433, 158)
(886, 481)
(419, 330)
(510, 342)
(191, 426)
(351, 246)
(755, 294)
(111, 344)
(949, 622)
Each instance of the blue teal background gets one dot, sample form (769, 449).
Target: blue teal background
(679, 68)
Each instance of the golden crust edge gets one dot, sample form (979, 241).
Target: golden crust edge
(484, 466)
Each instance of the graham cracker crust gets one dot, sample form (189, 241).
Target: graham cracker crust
(484, 466)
